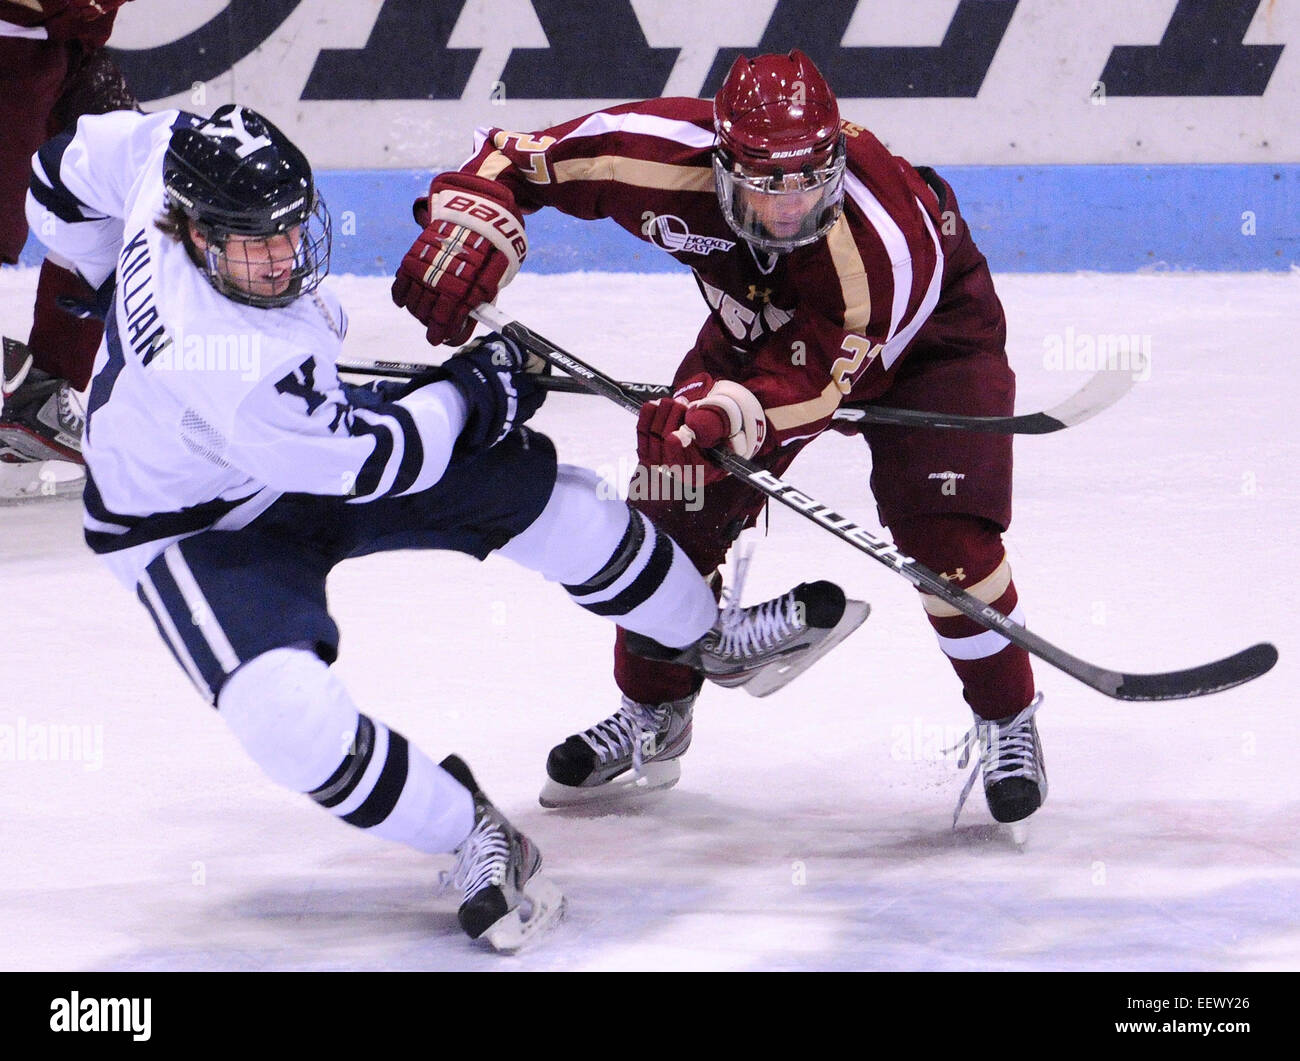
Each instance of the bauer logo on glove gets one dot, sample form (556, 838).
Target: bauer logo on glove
(472, 246)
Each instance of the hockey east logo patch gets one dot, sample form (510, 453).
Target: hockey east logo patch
(669, 232)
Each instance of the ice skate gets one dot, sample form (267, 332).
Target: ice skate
(42, 418)
(1011, 760)
(505, 901)
(634, 751)
(766, 646)
(15, 362)
(23, 480)
(23, 475)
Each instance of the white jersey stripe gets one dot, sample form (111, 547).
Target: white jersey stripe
(398, 451)
(978, 646)
(895, 346)
(895, 246)
(12, 29)
(687, 133)
(172, 634)
(201, 614)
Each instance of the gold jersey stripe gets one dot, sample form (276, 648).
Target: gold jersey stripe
(493, 166)
(636, 172)
(988, 590)
(785, 417)
(35, 5)
(852, 274)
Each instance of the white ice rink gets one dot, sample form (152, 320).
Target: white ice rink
(810, 830)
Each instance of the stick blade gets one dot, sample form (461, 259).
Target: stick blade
(1103, 390)
(1226, 673)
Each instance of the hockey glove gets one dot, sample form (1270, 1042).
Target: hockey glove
(499, 385)
(472, 245)
(674, 432)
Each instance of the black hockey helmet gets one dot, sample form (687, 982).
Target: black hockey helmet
(236, 175)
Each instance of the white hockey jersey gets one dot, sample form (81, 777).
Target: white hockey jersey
(202, 410)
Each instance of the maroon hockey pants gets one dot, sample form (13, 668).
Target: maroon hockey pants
(944, 495)
(45, 86)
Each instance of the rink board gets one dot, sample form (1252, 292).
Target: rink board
(1025, 218)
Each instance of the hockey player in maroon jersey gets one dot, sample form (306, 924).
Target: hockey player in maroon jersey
(833, 272)
(53, 69)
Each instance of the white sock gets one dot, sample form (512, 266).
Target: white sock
(297, 721)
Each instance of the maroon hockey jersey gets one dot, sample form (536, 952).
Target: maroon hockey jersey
(825, 323)
(64, 19)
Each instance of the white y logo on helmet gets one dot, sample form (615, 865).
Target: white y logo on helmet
(234, 129)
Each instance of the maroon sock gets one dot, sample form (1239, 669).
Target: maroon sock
(61, 344)
(648, 681)
(997, 681)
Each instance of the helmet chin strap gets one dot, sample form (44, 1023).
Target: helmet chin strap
(759, 254)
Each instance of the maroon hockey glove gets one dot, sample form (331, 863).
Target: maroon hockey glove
(674, 432)
(472, 245)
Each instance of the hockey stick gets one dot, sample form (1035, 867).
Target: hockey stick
(1171, 685)
(1102, 390)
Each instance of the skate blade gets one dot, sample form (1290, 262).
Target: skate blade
(654, 777)
(522, 928)
(40, 481)
(778, 675)
(1018, 832)
(32, 446)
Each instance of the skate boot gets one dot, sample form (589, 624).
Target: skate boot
(1011, 759)
(15, 362)
(764, 647)
(505, 901)
(42, 418)
(634, 751)
(24, 477)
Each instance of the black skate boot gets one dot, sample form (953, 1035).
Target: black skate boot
(1011, 760)
(42, 419)
(766, 646)
(505, 901)
(25, 474)
(634, 751)
(14, 366)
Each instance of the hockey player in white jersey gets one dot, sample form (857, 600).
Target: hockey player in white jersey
(229, 470)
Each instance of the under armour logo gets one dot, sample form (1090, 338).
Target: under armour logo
(760, 294)
(957, 576)
(234, 129)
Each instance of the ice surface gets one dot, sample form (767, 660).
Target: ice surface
(810, 830)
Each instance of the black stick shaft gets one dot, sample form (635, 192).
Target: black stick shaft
(1039, 423)
(1174, 685)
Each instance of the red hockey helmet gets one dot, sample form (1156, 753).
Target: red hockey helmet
(779, 164)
